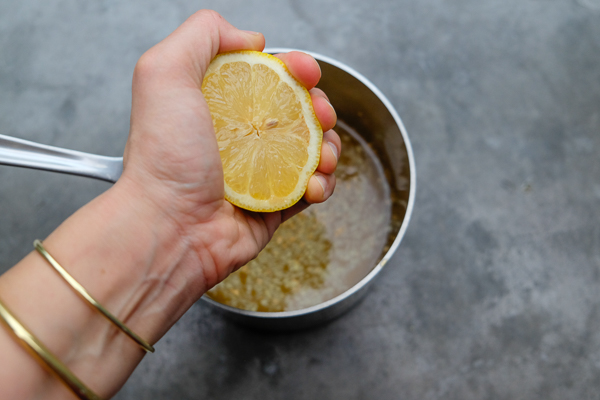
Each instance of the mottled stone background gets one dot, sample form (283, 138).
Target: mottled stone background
(493, 294)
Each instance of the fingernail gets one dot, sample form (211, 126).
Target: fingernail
(251, 33)
(322, 181)
(330, 105)
(334, 149)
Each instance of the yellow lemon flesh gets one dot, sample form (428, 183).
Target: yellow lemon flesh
(268, 135)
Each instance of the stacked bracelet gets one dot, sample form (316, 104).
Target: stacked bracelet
(34, 346)
(84, 293)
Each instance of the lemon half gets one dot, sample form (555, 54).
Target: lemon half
(268, 134)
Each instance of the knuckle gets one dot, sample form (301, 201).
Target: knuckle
(146, 66)
(204, 15)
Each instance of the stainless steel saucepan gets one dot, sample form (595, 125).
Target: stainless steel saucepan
(358, 103)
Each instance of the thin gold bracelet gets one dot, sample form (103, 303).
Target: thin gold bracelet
(49, 360)
(84, 293)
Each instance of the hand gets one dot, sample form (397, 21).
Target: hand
(172, 153)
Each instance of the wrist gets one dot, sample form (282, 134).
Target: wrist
(128, 251)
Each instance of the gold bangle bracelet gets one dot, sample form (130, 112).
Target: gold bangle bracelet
(84, 293)
(49, 360)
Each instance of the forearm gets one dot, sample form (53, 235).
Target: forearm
(125, 252)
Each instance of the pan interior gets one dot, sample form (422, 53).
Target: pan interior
(325, 250)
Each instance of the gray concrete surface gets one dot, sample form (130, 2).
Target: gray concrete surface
(494, 293)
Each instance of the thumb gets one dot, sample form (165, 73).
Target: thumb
(192, 46)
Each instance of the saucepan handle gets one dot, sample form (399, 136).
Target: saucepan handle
(23, 153)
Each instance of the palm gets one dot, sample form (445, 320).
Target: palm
(173, 154)
(186, 167)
